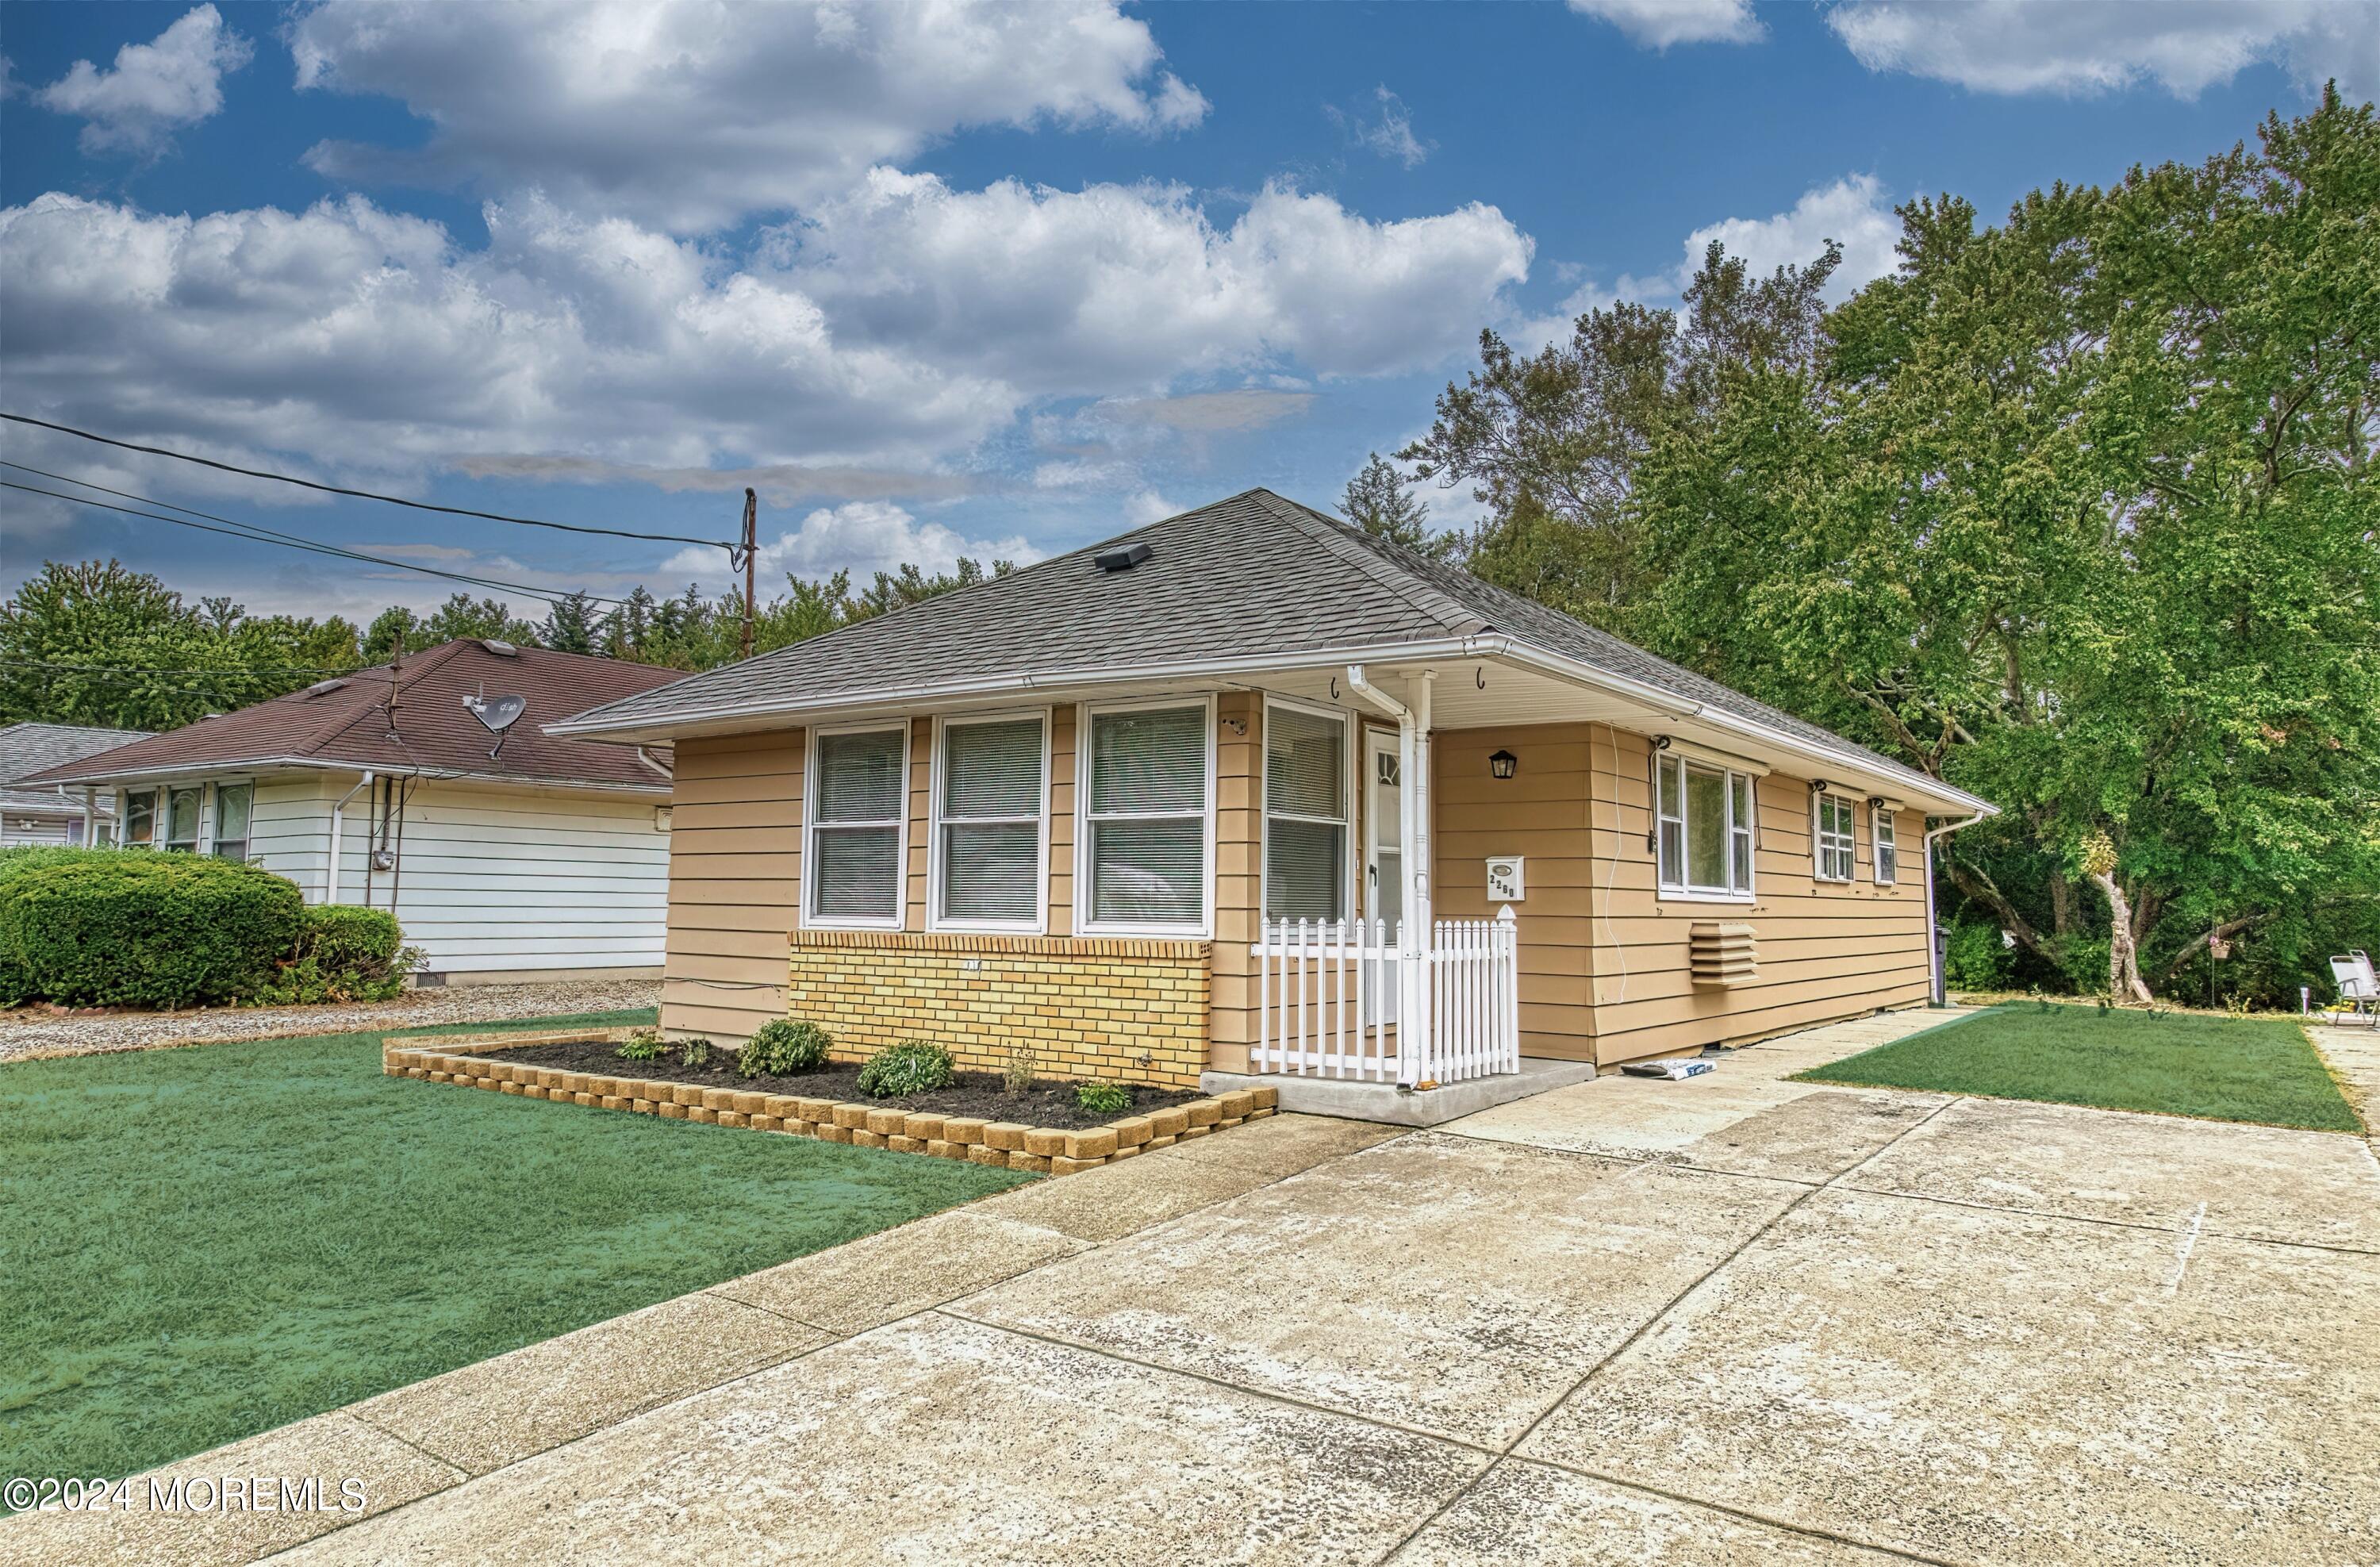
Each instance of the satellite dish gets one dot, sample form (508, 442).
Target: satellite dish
(496, 714)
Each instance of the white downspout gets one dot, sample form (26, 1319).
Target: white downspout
(330, 877)
(1412, 994)
(1933, 991)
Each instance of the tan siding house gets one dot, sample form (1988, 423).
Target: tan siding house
(1246, 791)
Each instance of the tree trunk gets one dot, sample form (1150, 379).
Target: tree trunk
(2124, 956)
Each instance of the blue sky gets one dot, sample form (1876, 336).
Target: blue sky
(972, 280)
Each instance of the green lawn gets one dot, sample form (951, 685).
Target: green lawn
(2257, 1069)
(207, 1242)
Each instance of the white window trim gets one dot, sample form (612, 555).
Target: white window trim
(1818, 837)
(1682, 892)
(1085, 925)
(1350, 749)
(214, 802)
(811, 921)
(124, 817)
(1881, 816)
(202, 841)
(935, 870)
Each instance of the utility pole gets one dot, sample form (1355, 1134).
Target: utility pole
(751, 548)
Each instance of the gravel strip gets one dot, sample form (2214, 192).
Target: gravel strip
(32, 1032)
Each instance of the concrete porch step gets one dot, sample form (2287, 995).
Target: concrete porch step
(1392, 1106)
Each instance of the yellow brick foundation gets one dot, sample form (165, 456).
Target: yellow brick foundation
(1120, 1009)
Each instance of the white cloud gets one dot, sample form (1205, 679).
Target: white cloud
(1391, 135)
(1656, 24)
(689, 115)
(862, 538)
(1147, 506)
(2086, 46)
(1853, 211)
(154, 88)
(903, 324)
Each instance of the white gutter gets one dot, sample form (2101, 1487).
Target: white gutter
(330, 877)
(430, 775)
(1933, 942)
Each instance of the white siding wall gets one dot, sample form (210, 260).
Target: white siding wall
(289, 828)
(20, 829)
(495, 879)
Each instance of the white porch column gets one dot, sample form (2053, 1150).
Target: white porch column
(1414, 804)
(90, 816)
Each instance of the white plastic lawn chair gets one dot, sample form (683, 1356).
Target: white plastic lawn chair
(2358, 986)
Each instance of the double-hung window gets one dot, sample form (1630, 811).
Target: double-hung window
(182, 820)
(1704, 828)
(1147, 803)
(1305, 814)
(987, 824)
(1835, 837)
(233, 803)
(1887, 846)
(858, 796)
(140, 818)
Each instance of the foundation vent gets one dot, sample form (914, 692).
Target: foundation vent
(1721, 955)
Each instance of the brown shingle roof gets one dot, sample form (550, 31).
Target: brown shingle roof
(350, 723)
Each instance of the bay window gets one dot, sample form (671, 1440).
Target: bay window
(1703, 828)
(1886, 845)
(1305, 814)
(858, 817)
(988, 801)
(1147, 793)
(1834, 837)
(233, 806)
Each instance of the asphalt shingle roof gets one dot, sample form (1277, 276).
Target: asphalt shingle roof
(350, 723)
(1252, 575)
(28, 748)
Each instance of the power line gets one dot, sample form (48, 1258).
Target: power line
(368, 494)
(257, 533)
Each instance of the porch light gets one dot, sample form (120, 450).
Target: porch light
(1503, 764)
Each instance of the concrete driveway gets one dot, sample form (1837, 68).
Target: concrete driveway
(1730, 1320)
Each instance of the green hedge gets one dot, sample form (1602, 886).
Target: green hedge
(141, 927)
(343, 953)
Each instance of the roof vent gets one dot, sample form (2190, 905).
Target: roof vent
(502, 650)
(1123, 559)
(323, 688)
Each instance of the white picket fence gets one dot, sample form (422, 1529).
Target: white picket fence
(1329, 1002)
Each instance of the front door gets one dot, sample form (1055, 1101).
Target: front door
(1384, 861)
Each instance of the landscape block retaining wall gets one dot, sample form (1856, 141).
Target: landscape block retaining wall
(1001, 1144)
(1123, 1010)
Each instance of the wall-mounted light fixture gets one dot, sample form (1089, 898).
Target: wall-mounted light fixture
(1236, 725)
(1661, 742)
(1503, 764)
(1820, 786)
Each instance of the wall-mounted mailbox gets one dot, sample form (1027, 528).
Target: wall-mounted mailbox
(1506, 882)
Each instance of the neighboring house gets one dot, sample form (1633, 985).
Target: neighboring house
(548, 858)
(1114, 804)
(47, 813)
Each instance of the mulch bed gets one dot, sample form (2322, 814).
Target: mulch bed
(976, 1093)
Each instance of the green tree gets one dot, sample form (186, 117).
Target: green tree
(1550, 443)
(393, 628)
(462, 616)
(1379, 500)
(94, 642)
(570, 625)
(2078, 513)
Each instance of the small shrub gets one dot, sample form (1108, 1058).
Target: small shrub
(782, 1047)
(343, 953)
(1096, 1098)
(910, 1067)
(695, 1054)
(1017, 1073)
(1974, 958)
(645, 1044)
(145, 928)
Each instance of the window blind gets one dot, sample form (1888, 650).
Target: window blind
(1147, 815)
(1306, 815)
(990, 840)
(854, 848)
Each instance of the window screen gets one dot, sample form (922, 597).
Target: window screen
(1147, 817)
(1702, 832)
(990, 834)
(854, 871)
(182, 819)
(1887, 845)
(233, 803)
(140, 818)
(1834, 838)
(1306, 815)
